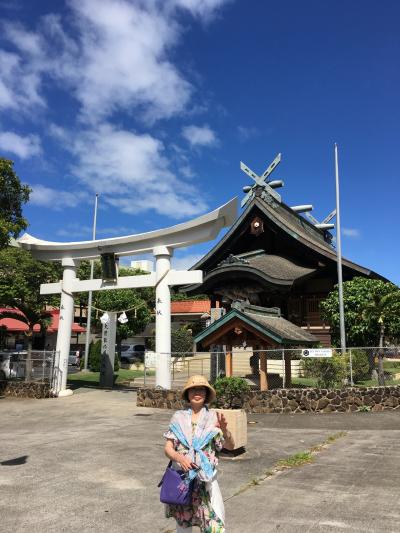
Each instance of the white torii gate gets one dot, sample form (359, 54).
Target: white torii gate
(161, 243)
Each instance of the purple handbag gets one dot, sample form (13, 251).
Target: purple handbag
(174, 490)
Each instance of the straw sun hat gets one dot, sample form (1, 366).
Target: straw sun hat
(199, 381)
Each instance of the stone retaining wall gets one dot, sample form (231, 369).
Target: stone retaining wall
(291, 400)
(22, 389)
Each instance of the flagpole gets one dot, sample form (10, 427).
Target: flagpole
(89, 307)
(339, 257)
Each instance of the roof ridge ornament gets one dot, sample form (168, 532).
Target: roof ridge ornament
(261, 183)
(233, 259)
(325, 224)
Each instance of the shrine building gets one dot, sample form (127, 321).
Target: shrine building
(274, 262)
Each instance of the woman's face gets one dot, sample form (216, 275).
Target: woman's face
(197, 395)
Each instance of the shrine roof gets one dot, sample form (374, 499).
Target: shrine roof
(285, 220)
(279, 325)
(268, 322)
(274, 266)
(273, 269)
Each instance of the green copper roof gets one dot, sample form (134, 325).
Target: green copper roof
(268, 322)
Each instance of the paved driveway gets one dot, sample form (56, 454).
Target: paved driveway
(91, 463)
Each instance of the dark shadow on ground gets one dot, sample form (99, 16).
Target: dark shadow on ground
(75, 386)
(83, 384)
(16, 461)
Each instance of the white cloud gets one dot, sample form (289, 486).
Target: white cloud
(351, 232)
(111, 56)
(23, 147)
(204, 9)
(55, 199)
(76, 229)
(19, 84)
(245, 133)
(123, 63)
(132, 173)
(117, 59)
(185, 262)
(199, 135)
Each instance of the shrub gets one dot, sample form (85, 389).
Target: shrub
(360, 364)
(94, 362)
(95, 356)
(230, 392)
(329, 372)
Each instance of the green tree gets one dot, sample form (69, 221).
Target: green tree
(12, 196)
(128, 300)
(378, 311)
(20, 278)
(363, 329)
(181, 341)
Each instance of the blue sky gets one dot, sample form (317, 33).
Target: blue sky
(153, 104)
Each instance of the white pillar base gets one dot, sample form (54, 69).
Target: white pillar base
(65, 392)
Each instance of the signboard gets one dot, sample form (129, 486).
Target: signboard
(150, 359)
(317, 352)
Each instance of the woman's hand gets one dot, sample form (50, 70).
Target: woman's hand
(185, 462)
(229, 443)
(222, 423)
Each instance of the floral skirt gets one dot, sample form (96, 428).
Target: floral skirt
(206, 511)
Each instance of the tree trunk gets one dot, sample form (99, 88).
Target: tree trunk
(28, 362)
(381, 373)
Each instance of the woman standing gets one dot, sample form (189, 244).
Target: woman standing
(194, 438)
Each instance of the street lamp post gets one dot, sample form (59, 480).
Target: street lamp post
(339, 257)
(89, 307)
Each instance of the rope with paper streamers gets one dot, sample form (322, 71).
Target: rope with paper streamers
(123, 311)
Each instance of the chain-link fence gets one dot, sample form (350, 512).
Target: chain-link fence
(38, 366)
(297, 367)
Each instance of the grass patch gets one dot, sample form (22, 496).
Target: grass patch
(304, 382)
(298, 459)
(92, 378)
(293, 461)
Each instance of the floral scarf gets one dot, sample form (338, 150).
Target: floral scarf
(206, 429)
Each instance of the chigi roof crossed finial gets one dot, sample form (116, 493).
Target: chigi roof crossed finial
(261, 181)
(268, 192)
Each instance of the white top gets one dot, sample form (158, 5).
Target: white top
(203, 228)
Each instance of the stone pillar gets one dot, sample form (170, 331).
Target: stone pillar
(263, 371)
(108, 351)
(65, 327)
(163, 317)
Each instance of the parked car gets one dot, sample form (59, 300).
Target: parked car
(12, 365)
(73, 359)
(132, 353)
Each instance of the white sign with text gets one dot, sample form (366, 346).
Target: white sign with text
(317, 352)
(150, 359)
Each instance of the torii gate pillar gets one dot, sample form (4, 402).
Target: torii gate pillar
(65, 326)
(163, 316)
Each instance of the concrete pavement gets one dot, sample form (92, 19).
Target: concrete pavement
(91, 462)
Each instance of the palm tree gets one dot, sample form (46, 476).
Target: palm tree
(377, 310)
(30, 316)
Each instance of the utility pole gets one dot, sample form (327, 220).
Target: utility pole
(89, 307)
(339, 257)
